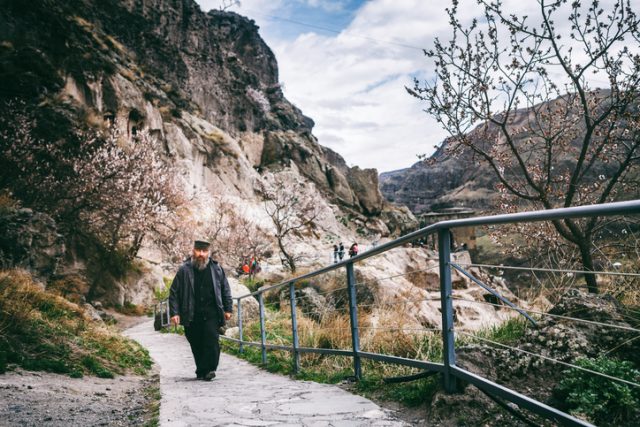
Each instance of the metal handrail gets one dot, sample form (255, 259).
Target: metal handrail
(163, 309)
(451, 373)
(609, 209)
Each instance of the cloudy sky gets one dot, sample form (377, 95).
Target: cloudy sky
(345, 64)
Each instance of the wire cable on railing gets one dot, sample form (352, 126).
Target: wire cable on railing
(402, 329)
(559, 316)
(552, 270)
(565, 288)
(378, 280)
(550, 359)
(399, 302)
(330, 311)
(330, 291)
(422, 270)
(272, 304)
(323, 329)
(491, 290)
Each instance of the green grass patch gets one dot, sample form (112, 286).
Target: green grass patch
(509, 332)
(253, 283)
(600, 400)
(45, 332)
(412, 394)
(153, 395)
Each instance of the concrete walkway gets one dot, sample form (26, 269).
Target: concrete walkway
(244, 395)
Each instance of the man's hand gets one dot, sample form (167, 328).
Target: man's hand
(175, 320)
(227, 315)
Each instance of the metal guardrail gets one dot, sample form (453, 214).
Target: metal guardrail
(161, 316)
(450, 372)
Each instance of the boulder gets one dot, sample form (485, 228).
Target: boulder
(311, 303)
(364, 183)
(92, 313)
(250, 306)
(30, 240)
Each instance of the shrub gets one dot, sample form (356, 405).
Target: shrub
(103, 187)
(72, 288)
(602, 401)
(131, 309)
(162, 293)
(253, 284)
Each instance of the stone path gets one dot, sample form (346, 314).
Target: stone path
(244, 395)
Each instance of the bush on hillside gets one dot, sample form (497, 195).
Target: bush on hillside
(43, 331)
(602, 401)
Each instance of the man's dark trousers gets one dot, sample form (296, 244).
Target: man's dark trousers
(205, 344)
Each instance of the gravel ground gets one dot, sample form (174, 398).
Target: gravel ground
(40, 398)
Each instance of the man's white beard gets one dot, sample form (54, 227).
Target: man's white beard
(200, 263)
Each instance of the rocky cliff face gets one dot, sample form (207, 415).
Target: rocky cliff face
(205, 85)
(30, 240)
(440, 183)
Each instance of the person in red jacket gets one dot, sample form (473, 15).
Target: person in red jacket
(353, 250)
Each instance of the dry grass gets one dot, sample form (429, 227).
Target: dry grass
(71, 288)
(43, 331)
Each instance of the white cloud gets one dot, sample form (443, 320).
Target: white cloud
(352, 83)
(330, 5)
(353, 86)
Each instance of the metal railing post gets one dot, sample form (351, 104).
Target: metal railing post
(240, 347)
(294, 328)
(168, 314)
(448, 348)
(263, 332)
(353, 316)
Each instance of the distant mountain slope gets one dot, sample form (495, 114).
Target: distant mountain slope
(439, 183)
(461, 179)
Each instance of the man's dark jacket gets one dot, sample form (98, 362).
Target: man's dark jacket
(182, 294)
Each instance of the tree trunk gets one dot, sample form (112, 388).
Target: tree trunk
(587, 263)
(289, 259)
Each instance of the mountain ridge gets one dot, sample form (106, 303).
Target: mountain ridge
(204, 85)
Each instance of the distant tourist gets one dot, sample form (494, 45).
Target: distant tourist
(200, 300)
(341, 251)
(353, 250)
(335, 254)
(254, 268)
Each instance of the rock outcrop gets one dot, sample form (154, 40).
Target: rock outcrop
(527, 365)
(30, 240)
(204, 84)
(440, 183)
(407, 280)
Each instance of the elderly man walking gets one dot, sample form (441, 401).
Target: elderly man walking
(200, 300)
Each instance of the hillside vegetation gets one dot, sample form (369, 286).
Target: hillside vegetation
(43, 331)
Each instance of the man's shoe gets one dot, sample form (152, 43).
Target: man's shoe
(211, 375)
